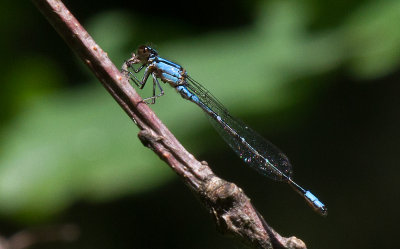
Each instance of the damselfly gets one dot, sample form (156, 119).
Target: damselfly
(255, 151)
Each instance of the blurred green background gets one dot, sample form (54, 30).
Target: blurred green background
(317, 78)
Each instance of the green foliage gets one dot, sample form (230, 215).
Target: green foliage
(72, 145)
(372, 38)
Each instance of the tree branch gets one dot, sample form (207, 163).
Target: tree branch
(32, 237)
(231, 208)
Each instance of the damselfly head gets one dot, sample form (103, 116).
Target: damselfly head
(145, 52)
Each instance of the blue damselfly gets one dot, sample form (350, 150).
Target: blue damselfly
(251, 147)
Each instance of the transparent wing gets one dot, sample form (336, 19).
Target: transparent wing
(251, 147)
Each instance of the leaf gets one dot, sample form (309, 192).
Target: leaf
(72, 146)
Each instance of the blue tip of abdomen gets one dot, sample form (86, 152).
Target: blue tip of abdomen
(316, 204)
